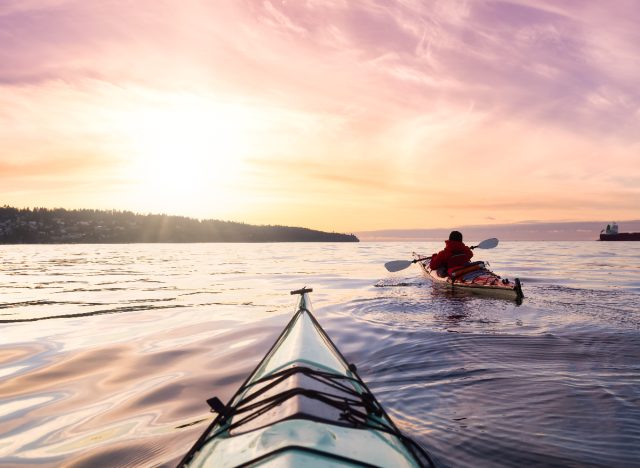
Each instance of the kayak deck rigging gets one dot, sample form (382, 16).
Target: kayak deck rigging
(346, 400)
(303, 404)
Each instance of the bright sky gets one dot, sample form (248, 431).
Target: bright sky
(337, 115)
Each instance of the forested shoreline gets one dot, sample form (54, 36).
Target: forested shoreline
(61, 226)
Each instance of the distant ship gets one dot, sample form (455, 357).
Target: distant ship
(611, 234)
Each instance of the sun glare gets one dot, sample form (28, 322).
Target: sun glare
(185, 153)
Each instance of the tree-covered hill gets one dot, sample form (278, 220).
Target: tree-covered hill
(47, 226)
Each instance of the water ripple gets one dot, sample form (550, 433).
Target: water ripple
(144, 334)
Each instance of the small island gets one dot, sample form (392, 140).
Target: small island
(86, 226)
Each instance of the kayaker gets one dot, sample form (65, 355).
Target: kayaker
(455, 255)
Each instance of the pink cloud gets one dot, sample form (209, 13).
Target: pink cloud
(535, 60)
(396, 90)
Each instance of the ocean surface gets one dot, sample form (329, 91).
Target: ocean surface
(108, 352)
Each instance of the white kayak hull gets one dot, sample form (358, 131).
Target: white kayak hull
(481, 281)
(290, 411)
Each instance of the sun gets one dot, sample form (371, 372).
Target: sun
(185, 152)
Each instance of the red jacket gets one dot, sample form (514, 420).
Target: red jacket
(454, 255)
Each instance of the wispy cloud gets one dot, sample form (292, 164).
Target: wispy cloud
(447, 105)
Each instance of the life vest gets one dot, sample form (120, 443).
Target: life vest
(454, 255)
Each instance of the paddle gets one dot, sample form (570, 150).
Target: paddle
(397, 265)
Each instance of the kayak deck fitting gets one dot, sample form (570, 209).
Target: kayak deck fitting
(303, 405)
(474, 278)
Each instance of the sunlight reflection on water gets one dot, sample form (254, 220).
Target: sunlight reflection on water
(108, 352)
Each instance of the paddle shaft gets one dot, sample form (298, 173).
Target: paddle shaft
(429, 258)
(398, 265)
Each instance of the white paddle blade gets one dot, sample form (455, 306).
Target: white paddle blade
(488, 243)
(397, 265)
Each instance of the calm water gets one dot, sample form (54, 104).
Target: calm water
(108, 353)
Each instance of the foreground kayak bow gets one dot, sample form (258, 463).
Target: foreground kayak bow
(303, 406)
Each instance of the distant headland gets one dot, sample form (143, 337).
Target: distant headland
(61, 226)
(525, 231)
